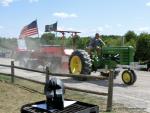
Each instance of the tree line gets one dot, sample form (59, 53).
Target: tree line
(140, 42)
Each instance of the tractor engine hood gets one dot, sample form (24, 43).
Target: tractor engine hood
(68, 51)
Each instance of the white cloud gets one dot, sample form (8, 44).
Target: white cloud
(31, 1)
(64, 15)
(144, 29)
(148, 4)
(6, 2)
(66, 29)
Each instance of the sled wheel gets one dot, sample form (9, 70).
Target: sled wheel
(80, 62)
(128, 77)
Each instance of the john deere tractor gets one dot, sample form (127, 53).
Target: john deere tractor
(80, 62)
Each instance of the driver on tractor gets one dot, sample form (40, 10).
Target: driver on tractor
(95, 44)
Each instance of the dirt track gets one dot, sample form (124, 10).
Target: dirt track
(136, 96)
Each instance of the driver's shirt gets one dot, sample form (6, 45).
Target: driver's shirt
(96, 42)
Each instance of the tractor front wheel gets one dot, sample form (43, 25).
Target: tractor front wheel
(129, 77)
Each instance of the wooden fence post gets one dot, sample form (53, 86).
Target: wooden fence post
(47, 75)
(110, 91)
(12, 72)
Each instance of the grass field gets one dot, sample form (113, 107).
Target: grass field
(13, 96)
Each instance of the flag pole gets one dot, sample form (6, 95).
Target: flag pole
(37, 29)
(56, 29)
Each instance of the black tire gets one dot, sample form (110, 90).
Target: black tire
(86, 64)
(129, 77)
(134, 75)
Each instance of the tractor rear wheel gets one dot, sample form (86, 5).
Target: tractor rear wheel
(80, 62)
(129, 77)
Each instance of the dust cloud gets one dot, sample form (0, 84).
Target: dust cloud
(31, 55)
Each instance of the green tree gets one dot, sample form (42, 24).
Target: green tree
(130, 35)
(8, 43)
(75, 40)
(143, 47)
(132, 43)
(112, 40)
(83, 42)
(47, 38)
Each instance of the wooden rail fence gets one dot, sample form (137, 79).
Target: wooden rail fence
(47, 74)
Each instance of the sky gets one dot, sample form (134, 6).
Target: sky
(107, 17)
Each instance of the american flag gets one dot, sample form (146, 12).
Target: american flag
(28, 30)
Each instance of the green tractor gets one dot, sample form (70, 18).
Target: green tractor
(80, 62)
